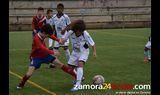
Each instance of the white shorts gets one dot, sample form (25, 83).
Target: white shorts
(56, 44)
(148, 45)
(76, 56)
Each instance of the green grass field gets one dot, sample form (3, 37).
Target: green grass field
(119, 60)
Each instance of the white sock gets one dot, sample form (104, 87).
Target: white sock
(67, 52)
(50, 42)
(79, 75)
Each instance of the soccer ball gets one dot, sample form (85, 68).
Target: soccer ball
(98, 80)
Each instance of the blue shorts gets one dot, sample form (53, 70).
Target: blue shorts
(36, 62)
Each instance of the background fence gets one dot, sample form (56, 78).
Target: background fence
(96, 13)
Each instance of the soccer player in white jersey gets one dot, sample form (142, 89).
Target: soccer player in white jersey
(49, 21)
(80, 40)
(61, 21)
(147, 51)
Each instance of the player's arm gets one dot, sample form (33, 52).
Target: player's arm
(34, 25)
(66, 37)
(94, 50)
(54, 38)
(92, 43)
(68, 27)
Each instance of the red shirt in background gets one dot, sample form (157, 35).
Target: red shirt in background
(37, 22)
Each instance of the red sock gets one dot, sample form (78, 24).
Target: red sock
(69, 70)
(24, 79)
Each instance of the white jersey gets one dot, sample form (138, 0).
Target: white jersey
(60, 23)
(148, 44)
(49, 21)
(79, 42)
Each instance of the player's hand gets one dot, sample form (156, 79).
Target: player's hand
(61, 41)
(57, 53)
(35, 31)
(95, 55)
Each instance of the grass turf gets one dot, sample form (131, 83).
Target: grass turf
(119, 60)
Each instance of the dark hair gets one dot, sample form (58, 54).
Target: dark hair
(78, 25)
(47, 29)
(60, 5)
(40, 9)
(49, 10)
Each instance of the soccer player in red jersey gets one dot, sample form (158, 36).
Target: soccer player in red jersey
(38, 21)
(41, 54)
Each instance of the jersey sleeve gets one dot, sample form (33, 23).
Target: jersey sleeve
(68, 21)
(89, 38)
(66, 37)
(54, 38)
(34, 23)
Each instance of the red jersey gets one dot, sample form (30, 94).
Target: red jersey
(39, 49)
(37, 22)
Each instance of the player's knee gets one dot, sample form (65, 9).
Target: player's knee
(57, 63)
(31, 70)
(29, 73)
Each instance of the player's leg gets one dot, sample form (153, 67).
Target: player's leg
(73, 60)
(35, 64)
(147, 52)
(66, 49)
(26, 77)
(82, 59)
(73, 63)
(67, 52)
(65, 68)
(75, 70)
(56, 48)
(79, 75)
(149, 55)
(50, 41)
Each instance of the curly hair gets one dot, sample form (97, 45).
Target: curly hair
(78, 25)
